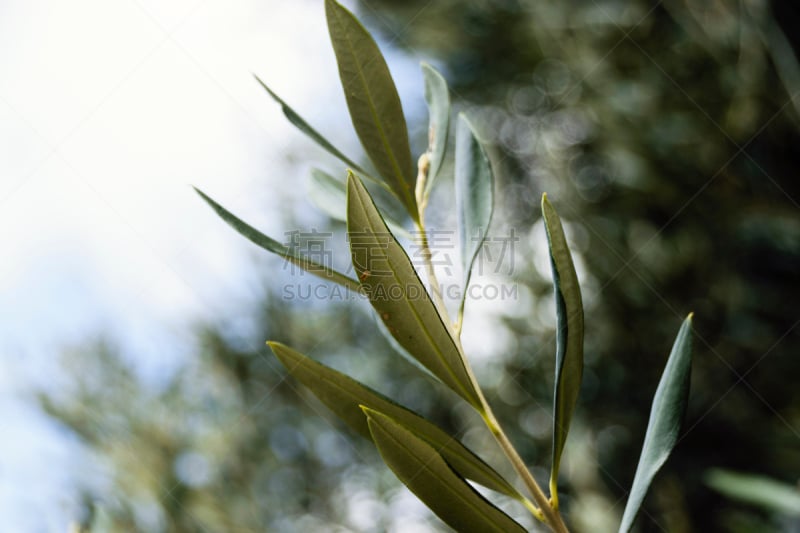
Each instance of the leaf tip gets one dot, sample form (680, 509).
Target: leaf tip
(548, 211)
(373, 417)
(285, 355)
(276, 347)
(330, 5)
(206, 198)
(690, 317)
(351, 182)
(264, 85)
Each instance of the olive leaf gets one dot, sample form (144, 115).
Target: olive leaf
(395, 291)
(271, 245)
(301, 124)
(437, 96)
(569, 339)
(374, 104)
(343, 395)
(426, 473)
(666, 415)
(474, 196)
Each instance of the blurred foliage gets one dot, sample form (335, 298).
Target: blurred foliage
(667, 133)
(668, 129)
(228, 444)
(756, 490)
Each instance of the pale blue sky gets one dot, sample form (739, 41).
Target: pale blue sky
(109, 110)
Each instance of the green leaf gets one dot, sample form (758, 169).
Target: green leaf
(569, 339)
(389, 280)
(474, 196)
(426, 473)
(306, 128)
(761, 491)
(666, 415)
(392, 342)
(437, 97)
(330, 195)
(373, 102)
(344, 395)
(271, 245)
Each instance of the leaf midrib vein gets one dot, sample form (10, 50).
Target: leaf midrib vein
(374, 112)
(413, 308)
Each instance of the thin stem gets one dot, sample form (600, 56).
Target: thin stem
(552, 516)
(535, 511)
(544, 512)
(423, 166)
(431, 272)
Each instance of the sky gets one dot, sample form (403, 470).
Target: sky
(110, 110)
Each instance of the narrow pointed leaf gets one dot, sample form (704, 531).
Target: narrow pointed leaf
(271, 245)
(306, 128)
(426, 473)
(666, 415)
(374, 104)
(474, 195)
(389, 280)
(330, 195)
(569, 339)
(437, 97)
(343, 395)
